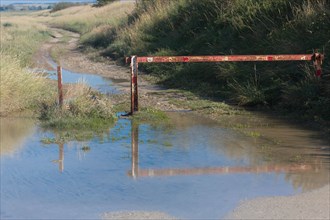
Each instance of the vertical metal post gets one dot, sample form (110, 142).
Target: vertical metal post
(134, 85)
(135, 149)
(60, 87)
(317, 61)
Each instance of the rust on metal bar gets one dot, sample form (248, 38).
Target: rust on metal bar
(219, 170)
(225, 58)
(134, 85)
(317, 59)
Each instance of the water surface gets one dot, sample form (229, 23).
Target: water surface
(189, 168)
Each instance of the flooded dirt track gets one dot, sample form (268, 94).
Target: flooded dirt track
(189, 168)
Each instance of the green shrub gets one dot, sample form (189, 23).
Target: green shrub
(63, 5)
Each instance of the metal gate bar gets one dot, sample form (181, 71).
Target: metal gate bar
(316, 57)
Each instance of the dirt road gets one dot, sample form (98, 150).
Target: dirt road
(64, 44)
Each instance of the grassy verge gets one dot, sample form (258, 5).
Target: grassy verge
(150, 115)
(186, 27)
(20, 88)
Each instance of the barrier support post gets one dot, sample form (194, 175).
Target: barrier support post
(60, 86)
(134, 85)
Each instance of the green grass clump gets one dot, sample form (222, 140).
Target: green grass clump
(89, 110)
(63, 5)
(150, 115)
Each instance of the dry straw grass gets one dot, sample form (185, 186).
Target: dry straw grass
(160, 11)
(20, 88)
(85, 18)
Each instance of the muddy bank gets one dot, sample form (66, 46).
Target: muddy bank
(309, 205)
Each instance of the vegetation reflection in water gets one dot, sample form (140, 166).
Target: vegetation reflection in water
(300, 167)
(13, 133)
(97, 170)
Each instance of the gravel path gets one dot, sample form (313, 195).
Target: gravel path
(309, 205)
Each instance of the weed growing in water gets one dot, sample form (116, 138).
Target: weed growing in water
(150, 115)
(88, 110)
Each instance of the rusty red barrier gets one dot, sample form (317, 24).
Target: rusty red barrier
(229, 58)
(317, 59)
(134, 85)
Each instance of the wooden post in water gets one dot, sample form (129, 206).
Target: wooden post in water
(60, 86)
(134, 85)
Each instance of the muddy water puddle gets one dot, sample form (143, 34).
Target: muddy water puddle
(188, 168)
(102, 84)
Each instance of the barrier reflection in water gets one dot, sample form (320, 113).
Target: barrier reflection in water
(136, 172)
(135, 149)
(60, 160)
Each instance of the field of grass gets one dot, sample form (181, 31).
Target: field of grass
(20, 87)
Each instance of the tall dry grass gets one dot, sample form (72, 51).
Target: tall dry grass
(84, 19)
(96, 25)
(20, 88)
(135, 38)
